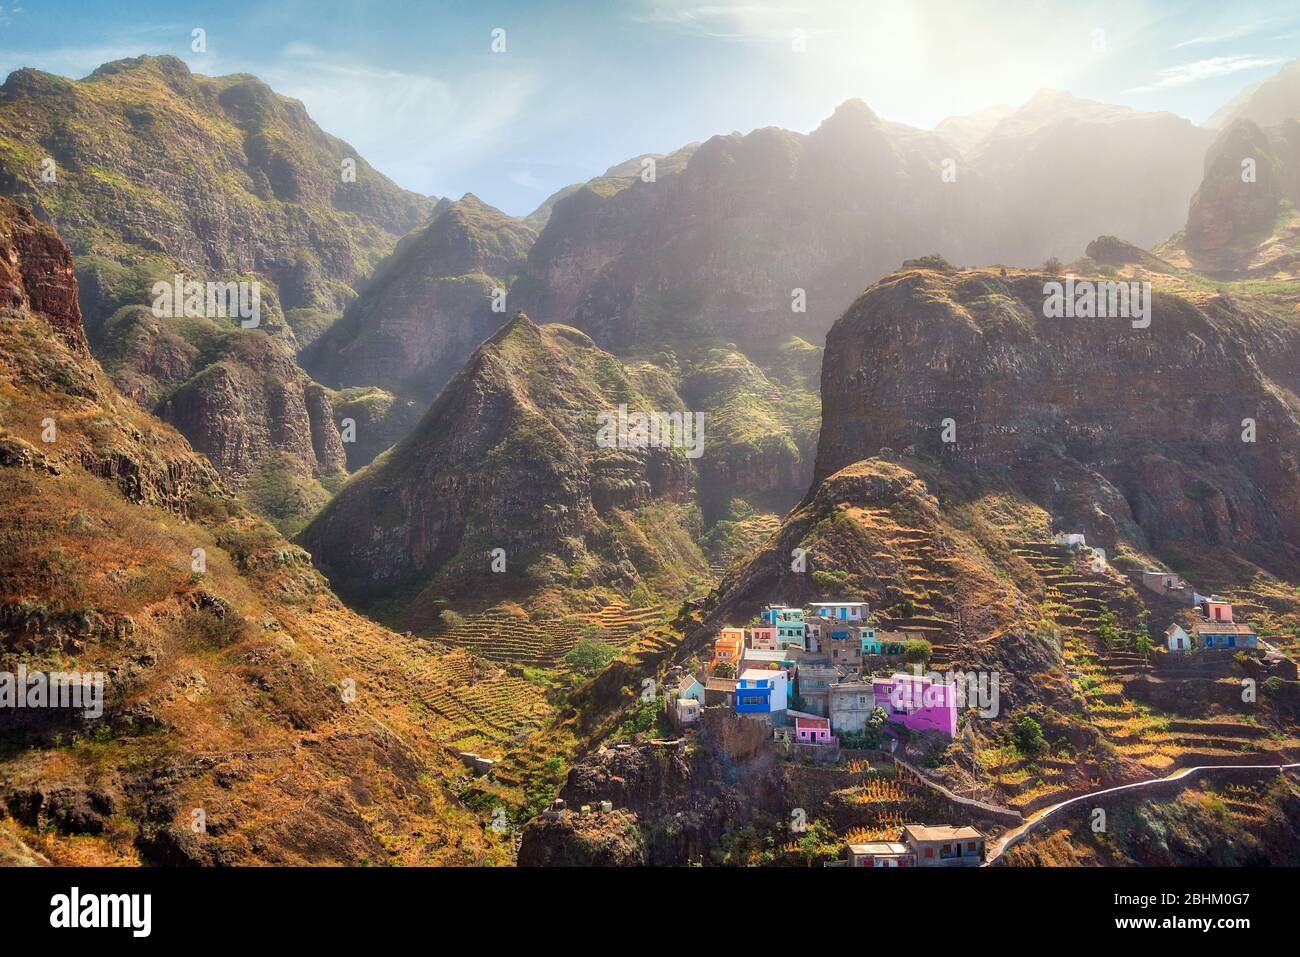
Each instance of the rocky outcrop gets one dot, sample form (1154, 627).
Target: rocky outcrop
(36, 274)
(253, 403)
(1145, 423)
(1236, 205)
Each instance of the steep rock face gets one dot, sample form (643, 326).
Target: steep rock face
(1267, 103)
(36, 274)
(428, 307)
(257, 188)
(1230, 213)
(507, 458)
(1155, 414)
(221, 686)
(254, 402)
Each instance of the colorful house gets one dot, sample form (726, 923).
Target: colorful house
(1216, 609)
(771, 614)
(811, 728)
(1213, 634)
(840, 610)
(943, 846)
(812, 631)
(764, 638)
(882, 642)
(690, 687)
(790, 632)
(686, 711)
(881, 854)
(729, 646)
(917, 703)
(762, 692)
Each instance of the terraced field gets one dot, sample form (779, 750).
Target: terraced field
(1157, 741)
(507, 634)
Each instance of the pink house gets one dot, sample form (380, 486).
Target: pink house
(762, 639)
(811, 729)
(917, 703)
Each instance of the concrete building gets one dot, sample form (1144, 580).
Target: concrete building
(881, 854)
(944, 846)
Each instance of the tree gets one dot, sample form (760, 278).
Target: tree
(724, 669)
(918, 652)
(588, 657)
(1029, 736)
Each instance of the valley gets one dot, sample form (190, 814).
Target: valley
(371, 580)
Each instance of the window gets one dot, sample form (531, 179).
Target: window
(929, 852)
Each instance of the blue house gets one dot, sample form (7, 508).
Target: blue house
(761, 692)
(1220, 634)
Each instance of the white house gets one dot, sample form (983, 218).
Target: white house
(840, 610)
(1070, 539)
(1177, 638)
(686, 710)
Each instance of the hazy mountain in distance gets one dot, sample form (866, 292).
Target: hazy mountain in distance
(1267, 103)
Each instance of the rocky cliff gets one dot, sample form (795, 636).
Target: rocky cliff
(1130, 434)
(247, 717)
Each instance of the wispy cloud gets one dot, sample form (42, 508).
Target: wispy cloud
(1206, 69)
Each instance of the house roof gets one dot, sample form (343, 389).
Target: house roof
(940, 832)
(1222, 628)
(687, 681)
(1172, 628)
(760, 674)
(762, 654)
(834, 604)
(720, 684)
(811, 721)
(879, 847)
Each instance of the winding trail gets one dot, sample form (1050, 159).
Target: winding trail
(1013, 836)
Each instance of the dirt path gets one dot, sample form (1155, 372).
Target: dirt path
(1013, 836)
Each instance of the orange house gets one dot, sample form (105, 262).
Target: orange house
(729, 646)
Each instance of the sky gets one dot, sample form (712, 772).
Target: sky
(418, 90)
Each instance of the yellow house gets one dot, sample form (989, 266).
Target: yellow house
(729, 646)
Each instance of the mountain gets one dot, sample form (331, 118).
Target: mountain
(159, 169)
(1242, 221)
(626, 171)
(507, 458)
(1267, 103)
(154, 172)
(967, 132)
(1128, 174)
(721, 247)
(428, 307)
(247, 716)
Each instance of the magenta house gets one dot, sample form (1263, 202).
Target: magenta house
(917, 703)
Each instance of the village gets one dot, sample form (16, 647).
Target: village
(827, 679)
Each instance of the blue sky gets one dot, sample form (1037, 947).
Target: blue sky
(416, 88)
